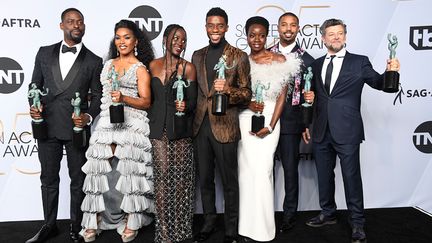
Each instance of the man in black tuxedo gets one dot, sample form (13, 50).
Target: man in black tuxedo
(291, 119)
(338, 78)
(65, 68)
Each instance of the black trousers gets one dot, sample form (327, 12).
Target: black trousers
(325, 160)
(289, 154)
(210, 154)
(50, 155)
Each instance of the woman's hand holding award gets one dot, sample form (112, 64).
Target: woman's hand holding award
(117, 108)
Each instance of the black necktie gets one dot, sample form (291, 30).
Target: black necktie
(329, 74)
(67, 49)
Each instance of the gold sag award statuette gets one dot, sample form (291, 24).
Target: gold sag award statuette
(39, 126)
(116, 109)
(307, 109)
(258, 119)
(220, 100)
(391, 77)
(79, 134)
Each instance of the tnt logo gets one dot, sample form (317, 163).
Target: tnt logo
(422, 137)
(421, 37)
(11, 75)
(148, 19)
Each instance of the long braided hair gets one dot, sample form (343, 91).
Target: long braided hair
(173, 28)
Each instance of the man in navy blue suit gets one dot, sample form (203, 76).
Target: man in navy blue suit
(339, 77)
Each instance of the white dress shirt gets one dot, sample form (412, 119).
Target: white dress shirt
(67, 59)
(287, 49)
(337, 65)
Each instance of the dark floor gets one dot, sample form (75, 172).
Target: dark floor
(395, 225)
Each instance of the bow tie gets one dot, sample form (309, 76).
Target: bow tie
(67, 49)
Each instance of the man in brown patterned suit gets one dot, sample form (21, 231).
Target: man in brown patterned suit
(216, 137)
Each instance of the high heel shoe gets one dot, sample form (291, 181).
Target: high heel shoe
(89, 235)
(129, 235)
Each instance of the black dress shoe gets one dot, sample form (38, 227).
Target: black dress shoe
(201, 236)
(209, 226)
(245, 239)
(358, 235)
(43, 234)
(321, 220)
(74, 234)
(231, 239)
(287, 225)
(76, 237)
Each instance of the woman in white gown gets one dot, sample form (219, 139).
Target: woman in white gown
(118, 184)
(273, 74)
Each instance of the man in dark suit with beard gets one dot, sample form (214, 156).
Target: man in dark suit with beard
(216, 137)
(338, 78)
(65, 68)
(291, 119)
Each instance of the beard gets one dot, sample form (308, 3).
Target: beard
(289, 40)
(75, 37)
(334, 48)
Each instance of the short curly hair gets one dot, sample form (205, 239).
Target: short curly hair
(257, 20)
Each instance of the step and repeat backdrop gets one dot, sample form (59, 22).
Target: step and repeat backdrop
(395, 157)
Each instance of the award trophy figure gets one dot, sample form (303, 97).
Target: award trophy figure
(307, 108)
(220, 100)
(391, 77)
(39, 126)
(179, 84)
(180, 122)
(258, 119)
(116, 109)
(79, 134)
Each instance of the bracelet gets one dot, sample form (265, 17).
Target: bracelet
(270, 129)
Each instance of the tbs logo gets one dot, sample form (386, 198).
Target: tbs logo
(421, 37)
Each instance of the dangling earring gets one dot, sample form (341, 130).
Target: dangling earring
(136, 51)
(163, 48)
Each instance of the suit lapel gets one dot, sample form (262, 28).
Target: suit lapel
(203, 82)
(344, 69)
(55, 68)
(319, 66)
(295, 49)
(70, 77)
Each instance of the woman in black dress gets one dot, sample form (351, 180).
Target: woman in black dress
(171, 117)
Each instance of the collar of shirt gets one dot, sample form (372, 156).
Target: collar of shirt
(78, 47)
(287, 49)
(66, 60)
(339, 54)
(337, 65)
